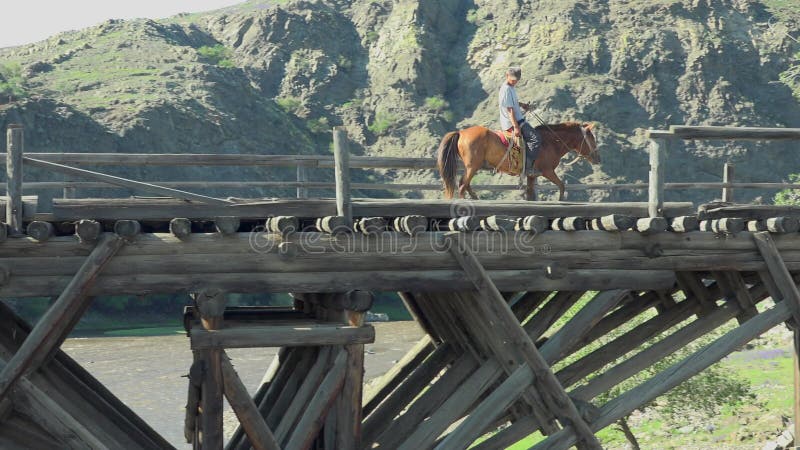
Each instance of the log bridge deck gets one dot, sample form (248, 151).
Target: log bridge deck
(489, 283)
(487, 287)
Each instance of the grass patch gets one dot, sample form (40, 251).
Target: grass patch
(382, 123)
(218, 55)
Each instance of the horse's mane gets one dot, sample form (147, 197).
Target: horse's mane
(560, 126)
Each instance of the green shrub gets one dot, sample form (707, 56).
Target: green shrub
(11, 81)
(371, 36)
(472, 16)
(789, 196)
(436, 103)
(318, 126)
(219, 55)
(289, 104)
(382, 122)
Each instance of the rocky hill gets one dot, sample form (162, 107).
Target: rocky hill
(273, 77)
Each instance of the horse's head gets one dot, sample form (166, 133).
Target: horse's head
(587, 146)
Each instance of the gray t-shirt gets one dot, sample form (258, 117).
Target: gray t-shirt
(508, 99)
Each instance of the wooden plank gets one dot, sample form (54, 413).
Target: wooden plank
(124, 182)
(310, 382)
(416, 313)
(716, 211)
(526, 304)
(51, 330)
(727, 177)
(497, 307)
(311, 421)
(281, 336)
(556, 307)
(489, 410)
(569, 334)
(454, 407)
(734, 133)
(506, 437)
(260, 436)
(15, 146)
(674, 375)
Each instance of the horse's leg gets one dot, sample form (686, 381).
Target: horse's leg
(530, 189)
(468, 174)
(551, 175)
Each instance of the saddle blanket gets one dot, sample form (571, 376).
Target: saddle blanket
(512, 162)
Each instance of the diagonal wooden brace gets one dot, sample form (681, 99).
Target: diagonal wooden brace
(497, 307)
(51, 330)
(780, 274)
(260, 436)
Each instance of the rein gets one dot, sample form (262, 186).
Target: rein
(558, 138)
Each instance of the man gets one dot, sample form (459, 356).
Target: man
(512, 117)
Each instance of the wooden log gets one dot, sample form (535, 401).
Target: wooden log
(211, 305)
(279, 399)
(782, 224)
(717, 211)
(190, 428)
(742, 296)
(727, 177)
(506, 437)
(260, 436)
(396, 430)
(341, 157)
(311, 421)
(658, 159)
(54, 326)
(412, 225)
(227, 225)
(674, 375)
(730, 225)
(282, 224)
(684, 224)
(647, 357)
(736, 133)
(694, 287)
(613, 222)
(569, 334)
(281, 336)
(780, 274)
(376, 392)
(464, 223)
(371, 225)
(41, 231)
(127, 229)
(501, 223)
(568, 224)
(537, 224)
(334, 224)
(181, 228)
(550, 313)
(382, 416)
(348, 409)
(498, 401)
(559, 402)
(4, 231)
(648, 225)
(526, 304)
(454, 407)
(15, 141)
(310, 382)
(288, 250)
(419, 317)
(302, 177)
(88, 231)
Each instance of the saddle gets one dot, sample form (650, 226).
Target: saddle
(513, 160)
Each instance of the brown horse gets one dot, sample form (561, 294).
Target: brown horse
(478, 145)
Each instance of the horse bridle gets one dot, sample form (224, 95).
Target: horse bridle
(581, 155)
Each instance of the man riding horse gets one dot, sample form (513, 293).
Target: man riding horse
(512, 117)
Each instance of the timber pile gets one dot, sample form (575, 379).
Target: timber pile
(312, 391)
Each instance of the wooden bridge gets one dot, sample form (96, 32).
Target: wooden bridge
(487, 281)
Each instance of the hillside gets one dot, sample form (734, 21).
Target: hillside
(273, 77)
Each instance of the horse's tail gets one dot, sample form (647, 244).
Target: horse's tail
(448, 151)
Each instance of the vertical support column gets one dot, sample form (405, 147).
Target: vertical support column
(14, 148)
(727, 177)
(69, 192)
(211, 305)
(656, 186)
(341, 158)
(348, 407)
(302, 177)
(796, 406)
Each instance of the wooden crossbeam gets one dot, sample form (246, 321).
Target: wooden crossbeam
(497, 309)
(51, 330)
(281, 336)
(391, 379)
(550, 313)
(260, 436)
(674, 375)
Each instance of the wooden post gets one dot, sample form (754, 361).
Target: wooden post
(656, 187)
(51, 330)
(15, 144)
(211, 304)
(341, 156)
(302, 177)
(727, 177)
(796, 406)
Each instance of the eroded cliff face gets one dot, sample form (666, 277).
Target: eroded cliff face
(399, 74)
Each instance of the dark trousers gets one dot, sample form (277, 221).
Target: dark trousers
(532, 143)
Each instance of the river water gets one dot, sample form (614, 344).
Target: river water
(148, 373)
